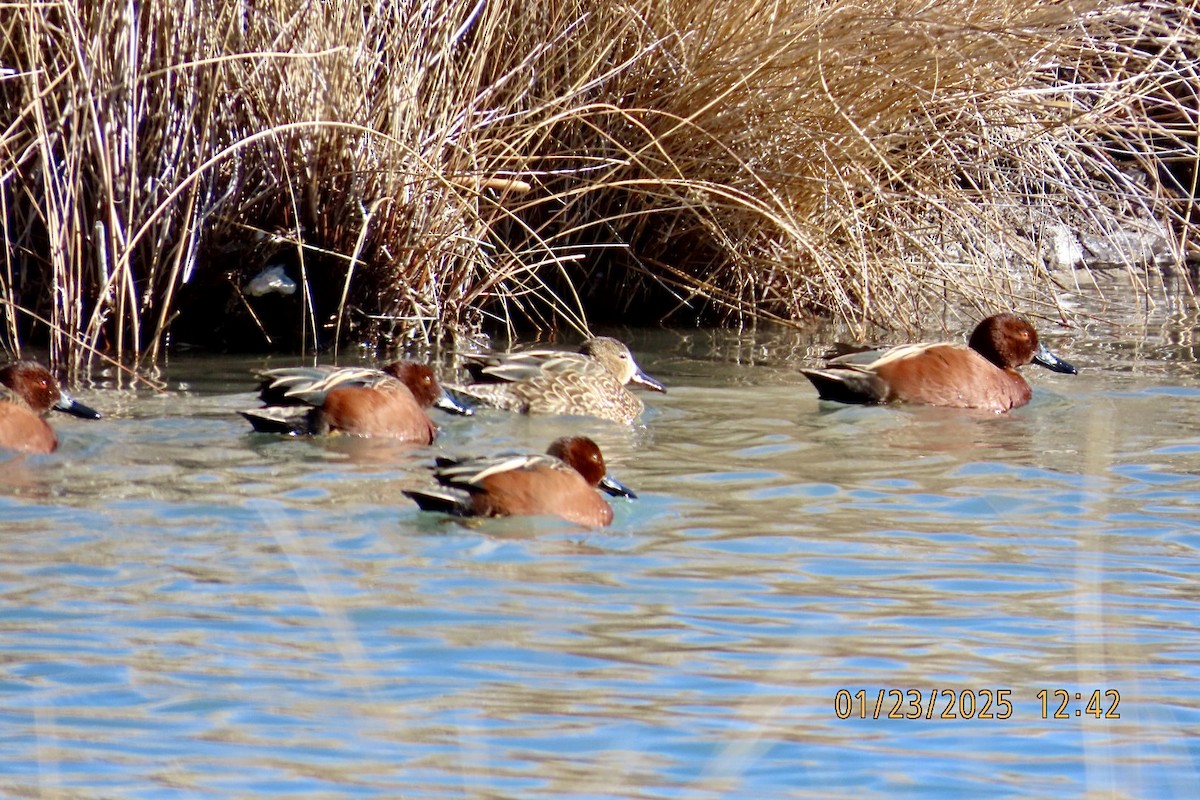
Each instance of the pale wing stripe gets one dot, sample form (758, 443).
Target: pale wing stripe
(350, 376)
(899, 352)
(475, 472)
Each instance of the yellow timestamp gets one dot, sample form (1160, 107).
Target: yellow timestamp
(1099, 704)
(947, 704)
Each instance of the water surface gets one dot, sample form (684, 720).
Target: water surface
(190, 610)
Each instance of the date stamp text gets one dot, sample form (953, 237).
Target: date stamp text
(946, 704)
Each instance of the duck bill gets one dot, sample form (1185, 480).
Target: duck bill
(69, 405)
(1052, 362)
(450, 403)
(614, 487)
(642, 379)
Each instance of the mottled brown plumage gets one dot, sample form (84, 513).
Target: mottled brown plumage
(592, 382)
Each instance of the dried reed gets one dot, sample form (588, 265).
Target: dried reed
(424, 167)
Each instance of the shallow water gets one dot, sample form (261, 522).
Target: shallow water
(190, 610)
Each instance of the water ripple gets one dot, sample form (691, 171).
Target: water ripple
(190, 610)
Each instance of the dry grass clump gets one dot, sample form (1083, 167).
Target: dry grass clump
(422, 167)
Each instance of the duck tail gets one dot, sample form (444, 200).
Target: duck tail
(447, 501)
(275, 419)
(846, 386)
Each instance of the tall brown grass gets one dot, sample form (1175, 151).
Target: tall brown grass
(423, 167)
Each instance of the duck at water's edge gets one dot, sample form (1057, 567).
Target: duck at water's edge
(28, 392)
(592, 382)
(981, 374)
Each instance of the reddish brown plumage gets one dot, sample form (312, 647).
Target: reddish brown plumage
(388, 411)
(28, 392)
(1005, 340)
(23, 430)
(981, 375)
(32, 383)
(542, 490)
(561, 483)
(419, 379)
(388, 403)
(955, 376)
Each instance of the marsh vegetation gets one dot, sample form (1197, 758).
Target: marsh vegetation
(420, 168)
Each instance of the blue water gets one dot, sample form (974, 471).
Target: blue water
(188, 610)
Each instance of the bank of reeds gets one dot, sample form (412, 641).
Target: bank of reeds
(421, 167)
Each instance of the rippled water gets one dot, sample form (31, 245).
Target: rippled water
(191, 610)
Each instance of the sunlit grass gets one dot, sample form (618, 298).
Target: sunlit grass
(423, 168)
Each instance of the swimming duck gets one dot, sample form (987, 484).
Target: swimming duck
(980, 374)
